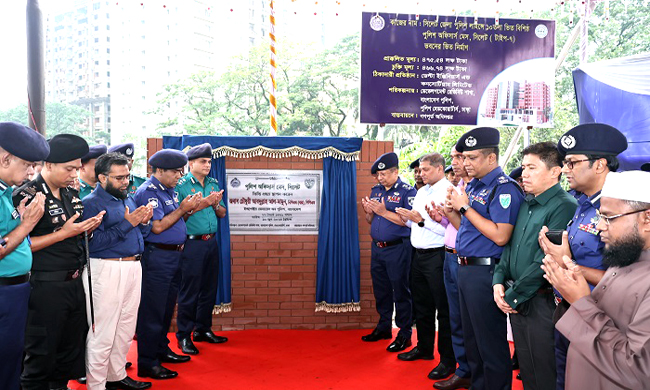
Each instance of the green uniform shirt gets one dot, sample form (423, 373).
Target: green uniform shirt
(134, 183)
(19, 261)
(204, 221)
(522, 256)
(84, 189)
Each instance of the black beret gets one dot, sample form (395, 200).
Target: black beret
(415, 164)
(478, 138)
(94, 152)
(126, 149)
(385, 161)
(66, 147)
(592, 138)
(516, 173)
(448, 169)
(200, 151)
(23, 142)
(645, 167)
(168, 159)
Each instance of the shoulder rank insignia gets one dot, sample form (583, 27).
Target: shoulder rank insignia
(502, 180)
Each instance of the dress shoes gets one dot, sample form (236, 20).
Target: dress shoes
(441, 371)
(414, 354)
(187, 346)
(377, 335)
(173, 357)
(400, 344)
(209, 337)
(127, 384)
(156, 372)
(453, 383)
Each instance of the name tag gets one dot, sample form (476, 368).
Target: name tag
(54, 212)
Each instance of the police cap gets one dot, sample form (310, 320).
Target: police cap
(66, 147)
(94, 152)
(168, 159)
(126, 149)
(478, 138)
(23, 142)
(592, 138)
(516, 173)
(385, 161)
(200, 151)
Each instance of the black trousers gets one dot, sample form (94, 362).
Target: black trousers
(55, 337)
(533, 331)
(429, 298)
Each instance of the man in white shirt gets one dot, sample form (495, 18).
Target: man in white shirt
(427, 279)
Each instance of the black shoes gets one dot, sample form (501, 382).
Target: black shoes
(173, 357)
(127, 384)
(400, 344)
(442, 371)
(156, 372)
(187, 346)
(377, 335)
(415, 354)
(209, 337)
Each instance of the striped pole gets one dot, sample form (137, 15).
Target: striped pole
(274, 124)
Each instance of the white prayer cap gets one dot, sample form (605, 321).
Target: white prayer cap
(628, 185)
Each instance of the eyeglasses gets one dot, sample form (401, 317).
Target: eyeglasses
(120, 178)
(608, 220)
(570, 164)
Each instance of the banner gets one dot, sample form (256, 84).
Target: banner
(274, 202)
(448, 70)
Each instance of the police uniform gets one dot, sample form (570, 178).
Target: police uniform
(391, 256)
(56, 321)
(584, 238)
(93, 153)
(28, 145)
(128, 150)
(160, 267)
(496, 197)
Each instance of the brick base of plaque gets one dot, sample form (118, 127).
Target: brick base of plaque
(274, 276)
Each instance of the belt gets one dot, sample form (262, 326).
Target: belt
(56, 276)
(204, 237)
(429, 250)
(130, 258)
(384, 244)
(168, 247)
(477, 260)
(13, 280)
(450, 250)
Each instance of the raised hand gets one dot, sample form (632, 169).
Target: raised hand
(135, 218)
(557, 252)
(31, 214)
(569, 281)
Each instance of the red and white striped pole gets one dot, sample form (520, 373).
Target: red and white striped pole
(274, 124)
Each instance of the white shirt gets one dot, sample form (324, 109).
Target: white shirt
(432, 235)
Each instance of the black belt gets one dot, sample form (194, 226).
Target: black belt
(56, 276)
(384, 244)
(477, 260)
(168, 247)
(451, 250)
(429, 250)
(204, 237)
(13, 280)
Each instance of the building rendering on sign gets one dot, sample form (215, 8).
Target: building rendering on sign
(513, 102)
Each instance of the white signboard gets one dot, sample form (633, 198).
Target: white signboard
(274, 202)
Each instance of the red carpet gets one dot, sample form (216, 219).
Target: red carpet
(294, 359)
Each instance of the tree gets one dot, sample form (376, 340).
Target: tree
(60, 118)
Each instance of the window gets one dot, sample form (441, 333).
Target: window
(96, 28)
(96, 6)
(96, 40)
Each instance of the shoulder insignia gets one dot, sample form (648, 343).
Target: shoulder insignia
(407, 186)
(152, 186)
(502, 180)
(376, 185)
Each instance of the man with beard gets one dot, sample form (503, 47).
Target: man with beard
(87, 179)
(590, 152)
(115, 252)
(609, 327)
(128, 150)
(56, 324)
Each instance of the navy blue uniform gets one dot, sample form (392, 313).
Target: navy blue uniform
(390, 264)
(160, 274)
(496, 197)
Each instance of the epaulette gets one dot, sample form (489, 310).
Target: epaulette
(407, 186)
(503, 180)
(151, 186)
(181, 181)
(377, 185)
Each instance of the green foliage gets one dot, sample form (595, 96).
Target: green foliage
(59, 118)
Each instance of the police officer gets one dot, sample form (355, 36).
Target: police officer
(56, 322)
(87, 178)
(161, 262)
(391, 252)
(128, 150)
(488, 206)
(590, 152)
(415, 167)
(200, 260)
(19, 147)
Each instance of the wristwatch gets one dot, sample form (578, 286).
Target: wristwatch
(463, 209)
(421, 223)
